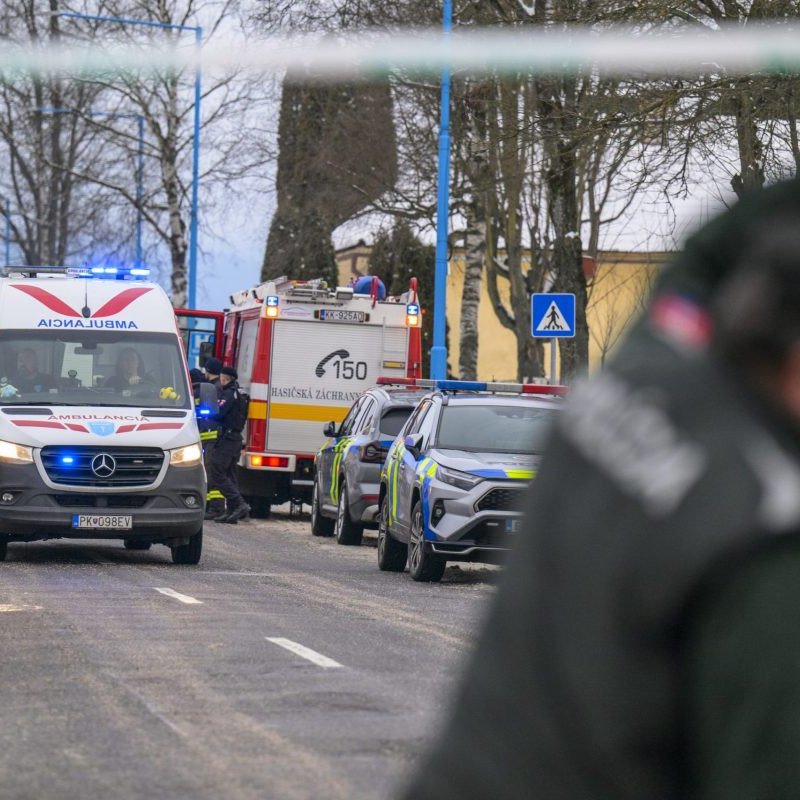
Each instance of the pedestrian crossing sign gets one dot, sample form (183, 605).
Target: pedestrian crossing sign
(552, 315)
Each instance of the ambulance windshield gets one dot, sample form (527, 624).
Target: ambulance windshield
(92, 368)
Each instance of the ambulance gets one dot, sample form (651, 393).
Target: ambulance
(304, 353)
(98, 437)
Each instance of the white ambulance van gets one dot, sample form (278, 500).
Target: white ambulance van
(98, 437)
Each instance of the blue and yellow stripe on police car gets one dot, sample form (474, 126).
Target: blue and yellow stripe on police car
(513, 474)
(426, 472)
(339, 452)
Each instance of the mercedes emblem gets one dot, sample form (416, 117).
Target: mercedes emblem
(104, 465)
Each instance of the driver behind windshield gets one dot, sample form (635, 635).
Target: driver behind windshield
(28, 378)
(129, 371)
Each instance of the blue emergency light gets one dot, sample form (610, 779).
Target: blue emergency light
(412, 309)
(67, 460)
(112, 273)
(272, 300)
(203, 412)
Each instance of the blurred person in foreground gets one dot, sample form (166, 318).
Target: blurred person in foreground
(645, 640)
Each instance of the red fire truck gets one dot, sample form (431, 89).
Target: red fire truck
(304, 353)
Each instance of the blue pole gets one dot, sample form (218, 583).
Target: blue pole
(8, 232)
(139, 191)
(439, 349)
(192, 276)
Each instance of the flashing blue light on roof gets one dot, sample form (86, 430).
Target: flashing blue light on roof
(112, 273)
(463, 386)
(272, 300)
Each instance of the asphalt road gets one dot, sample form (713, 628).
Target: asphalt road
(124, 676)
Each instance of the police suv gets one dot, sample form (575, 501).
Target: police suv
(97, 435)
(455, 477)
(347, 468)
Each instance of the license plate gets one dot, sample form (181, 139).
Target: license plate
(341, 315)
(513, 525)
(101, 521)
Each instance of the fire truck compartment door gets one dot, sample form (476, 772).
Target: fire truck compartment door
(317, 372)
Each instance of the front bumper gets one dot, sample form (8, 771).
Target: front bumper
(160, 514)
(475, 526)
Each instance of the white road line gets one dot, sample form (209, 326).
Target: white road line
(304, 652)
(146, 703)
(183, 598)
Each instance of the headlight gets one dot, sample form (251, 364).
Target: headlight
(188, 456)
(11, 453)
(461, 480)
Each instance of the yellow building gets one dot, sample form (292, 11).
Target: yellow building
(618, 284)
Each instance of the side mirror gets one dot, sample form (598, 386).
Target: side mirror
(413, 444)
(329, 430)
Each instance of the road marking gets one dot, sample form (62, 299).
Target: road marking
(304, 652)
(146, 703)
(183, 598)
(6, 608)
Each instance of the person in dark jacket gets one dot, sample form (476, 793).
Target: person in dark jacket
(231, 420)
(215, 500)
(645, 641)
(206, 410)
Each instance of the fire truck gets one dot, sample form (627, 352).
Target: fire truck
(304, 353)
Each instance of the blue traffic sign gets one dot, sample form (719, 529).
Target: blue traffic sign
(552, 315)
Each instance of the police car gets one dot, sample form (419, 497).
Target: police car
(454, 480)
(347, 468)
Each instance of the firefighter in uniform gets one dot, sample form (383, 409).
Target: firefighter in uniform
(644, 642)
(208, 426)
(231, 420)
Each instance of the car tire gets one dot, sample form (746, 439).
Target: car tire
(3, 549)
(347, 531)
(133, 544)
(392, 554)
(189, 553)
(259, 507)
(422, 566)
(320, 526)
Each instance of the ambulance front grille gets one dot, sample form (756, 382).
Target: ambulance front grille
(132, 466)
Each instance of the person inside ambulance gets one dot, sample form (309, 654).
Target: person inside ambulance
(129, 371)
(28, 379)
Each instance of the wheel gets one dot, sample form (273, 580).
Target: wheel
(422, 566)
(392, 554)
(3, 549)
(320, 526)
(347, 531)
(259, 507)
(189, 553)
(132, 544)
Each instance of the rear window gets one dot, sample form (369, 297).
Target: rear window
(393, 420)
(494, 428)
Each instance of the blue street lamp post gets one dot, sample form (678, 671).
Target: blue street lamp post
(439, 349)
(198, 35)
(139, 163)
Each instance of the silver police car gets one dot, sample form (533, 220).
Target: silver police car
(454, 481)
(347, 468)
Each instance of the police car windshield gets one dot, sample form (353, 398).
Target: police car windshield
(84, 367)
(494, 428)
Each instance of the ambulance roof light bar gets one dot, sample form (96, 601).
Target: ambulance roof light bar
(476, 386)
(103, 272)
